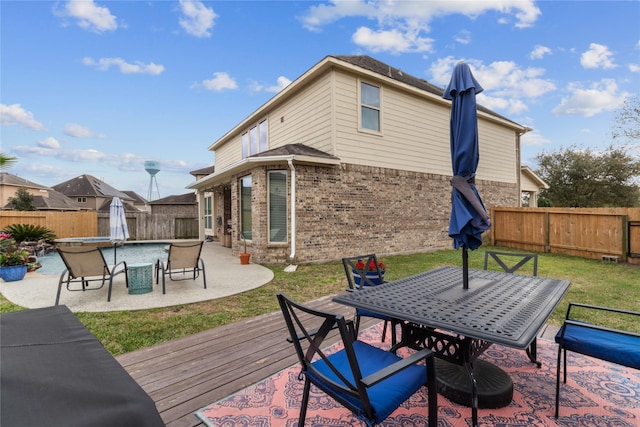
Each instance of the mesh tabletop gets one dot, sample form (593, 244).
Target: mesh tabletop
(498, 307)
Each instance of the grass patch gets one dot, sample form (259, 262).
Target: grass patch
(592, 281)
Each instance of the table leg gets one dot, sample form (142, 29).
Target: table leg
(474, 394)
(532, 353)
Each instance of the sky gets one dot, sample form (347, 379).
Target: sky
(100, 87)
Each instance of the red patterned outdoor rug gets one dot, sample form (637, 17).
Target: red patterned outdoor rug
(597, 394)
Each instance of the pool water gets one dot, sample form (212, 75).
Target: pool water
(132, 253)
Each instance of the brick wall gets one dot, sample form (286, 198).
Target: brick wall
(353, 209)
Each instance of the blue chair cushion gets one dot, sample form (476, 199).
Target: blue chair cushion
(367, 313)
(385, 396)
(605, 345)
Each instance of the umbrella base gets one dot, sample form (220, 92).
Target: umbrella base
(495, 387)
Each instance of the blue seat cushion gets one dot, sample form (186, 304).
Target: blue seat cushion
(367, 313)
(605, 345)
(385, 396)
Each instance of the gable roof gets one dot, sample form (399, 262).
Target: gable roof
(204, 171)
(364, 65)
(105, 207)
(54, 201)
(135, 197)
(89, 186)
(10, 179)
(181, 199)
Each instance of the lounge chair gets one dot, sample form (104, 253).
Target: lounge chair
(86, 266)
(183, 263)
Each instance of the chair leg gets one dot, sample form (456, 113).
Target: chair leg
(384, 330)
(305, 400)
(558, 379)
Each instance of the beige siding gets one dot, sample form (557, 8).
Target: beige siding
(527, 184)
(229, 153)
(415, 135)
(304, 119)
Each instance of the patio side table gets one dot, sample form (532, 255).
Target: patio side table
(140, 278)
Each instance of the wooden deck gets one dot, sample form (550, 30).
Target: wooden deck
(186, 374)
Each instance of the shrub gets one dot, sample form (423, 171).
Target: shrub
(29, 232)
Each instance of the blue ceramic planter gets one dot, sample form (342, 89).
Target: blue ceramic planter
(13, 272)
(372, 277)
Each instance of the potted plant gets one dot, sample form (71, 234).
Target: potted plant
(244, 256)
(13, 261)
(371, 272)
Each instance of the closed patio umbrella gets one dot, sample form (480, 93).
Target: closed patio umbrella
(469, 217)
(118, 231)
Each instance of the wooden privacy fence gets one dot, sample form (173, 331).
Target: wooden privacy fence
(599, 233)
(63, 224)
(142, 226)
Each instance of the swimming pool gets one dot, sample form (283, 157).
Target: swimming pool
(132, 253)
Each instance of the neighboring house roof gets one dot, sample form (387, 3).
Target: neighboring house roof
(182, 199)
(89, 186)
(530, 177)
(138, 199)
(14, 180)
(54, 201)
(106, 207)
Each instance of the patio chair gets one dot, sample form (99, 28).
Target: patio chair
(183, 263)
(360, 276)
(367, 380)
(511, 262)
(86, 265)
(595, 339)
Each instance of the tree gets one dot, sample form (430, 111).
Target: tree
(22, 201)
(628, 121)
(582, 178)
(6, 161)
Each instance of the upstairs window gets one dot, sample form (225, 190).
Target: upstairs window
(81, 200)
(255, 140)
(369, 107)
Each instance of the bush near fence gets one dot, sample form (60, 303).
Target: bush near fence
(597, 233)
(142, 226)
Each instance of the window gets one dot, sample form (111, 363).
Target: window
(208, 212)
(245, 207)
(277, 206)
(369, 107)
(256, 140)
(81, 200)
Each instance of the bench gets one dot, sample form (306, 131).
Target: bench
(612, 345)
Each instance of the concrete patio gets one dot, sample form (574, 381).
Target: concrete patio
(225, 276)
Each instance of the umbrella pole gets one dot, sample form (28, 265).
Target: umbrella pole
(115, 246)
(465, 268)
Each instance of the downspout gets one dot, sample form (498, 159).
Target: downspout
(293, 210)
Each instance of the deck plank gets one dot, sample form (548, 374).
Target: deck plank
(188, 373)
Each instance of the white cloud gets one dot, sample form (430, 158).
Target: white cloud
(507, 86)
(463, 37)
(601, 96)
(598, 56)
(90, 16)
(402, 24)
(282, 82)
(534, 139)
(539, 52)
(14, 114)
(393, 40)
(634, 68)
(220, 81)
(78, 131)
(197, 19)
(138, 67)
(49, 143)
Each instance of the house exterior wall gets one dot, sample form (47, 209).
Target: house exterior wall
(352, 209)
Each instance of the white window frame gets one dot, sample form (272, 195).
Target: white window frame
(285, 227)
(362, 105)
(256, 139)
(208, 211)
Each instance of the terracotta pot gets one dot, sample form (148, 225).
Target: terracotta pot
(244, 258)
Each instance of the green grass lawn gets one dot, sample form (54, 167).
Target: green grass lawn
(592, 281)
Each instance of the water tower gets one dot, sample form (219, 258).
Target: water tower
(152, 167)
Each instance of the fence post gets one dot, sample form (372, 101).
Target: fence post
(626, 244)
(547, 232)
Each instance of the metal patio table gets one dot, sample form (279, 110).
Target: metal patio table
(460, 324)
